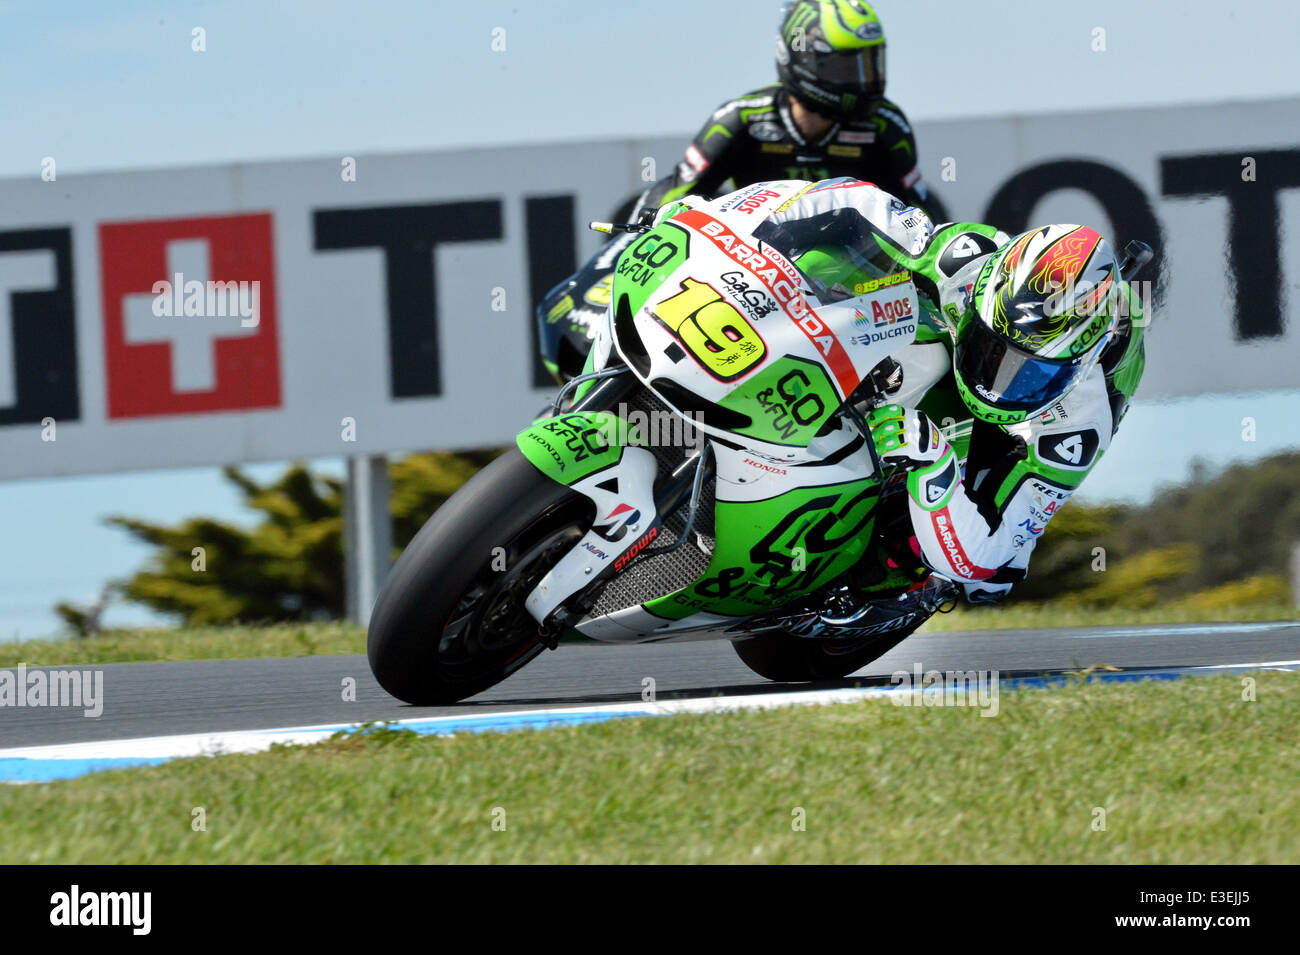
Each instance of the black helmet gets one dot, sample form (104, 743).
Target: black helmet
(830, 56)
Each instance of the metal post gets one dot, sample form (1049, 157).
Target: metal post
(1295, 574)
(367, 533)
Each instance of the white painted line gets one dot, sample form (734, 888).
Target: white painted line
(63, 760)
(254, 741)
(1190, 629)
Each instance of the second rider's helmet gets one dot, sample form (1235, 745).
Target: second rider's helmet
(830, 56)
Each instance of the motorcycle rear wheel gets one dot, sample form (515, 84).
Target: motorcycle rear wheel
(784, 658)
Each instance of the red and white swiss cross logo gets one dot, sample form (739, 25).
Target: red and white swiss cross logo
(189, 315)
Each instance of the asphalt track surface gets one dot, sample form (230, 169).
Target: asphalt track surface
(156, 699)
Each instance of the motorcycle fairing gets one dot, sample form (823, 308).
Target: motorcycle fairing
(623, 493)
(782, 531)
(570, 446)
(716, 324)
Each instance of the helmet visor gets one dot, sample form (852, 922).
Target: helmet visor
(857, 70)
(854, 71)
(1006, 377)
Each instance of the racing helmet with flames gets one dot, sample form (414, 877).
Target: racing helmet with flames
(1043, 309)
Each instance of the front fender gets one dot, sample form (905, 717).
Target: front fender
(569, 447)
(597, 455)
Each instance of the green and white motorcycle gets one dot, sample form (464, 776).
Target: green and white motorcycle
(710, 475)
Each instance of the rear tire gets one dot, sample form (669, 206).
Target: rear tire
(448, 623)
(787, 659)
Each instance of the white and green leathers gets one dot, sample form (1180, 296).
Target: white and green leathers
(981, 495)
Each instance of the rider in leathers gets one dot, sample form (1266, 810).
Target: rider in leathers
(1027, 354)
(826, 117)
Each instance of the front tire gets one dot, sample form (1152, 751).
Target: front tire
(450, 621)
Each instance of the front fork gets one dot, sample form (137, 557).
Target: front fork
(629, 494)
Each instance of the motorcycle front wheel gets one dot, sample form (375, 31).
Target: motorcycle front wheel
(450, 621)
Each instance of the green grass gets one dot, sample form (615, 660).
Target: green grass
(194, 643)
(1187, 772)
(1033, 616)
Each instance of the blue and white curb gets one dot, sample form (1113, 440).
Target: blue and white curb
(31, 764)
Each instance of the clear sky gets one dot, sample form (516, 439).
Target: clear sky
(115, 85)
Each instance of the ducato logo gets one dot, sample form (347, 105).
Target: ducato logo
(892, 319)
(896, 331)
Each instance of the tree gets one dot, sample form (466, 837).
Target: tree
(85, 621)
(1223, 529)
(290, 565)
(1214, 530)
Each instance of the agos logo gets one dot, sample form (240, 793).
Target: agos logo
(756, 200)
(893, 318)
(891, 312)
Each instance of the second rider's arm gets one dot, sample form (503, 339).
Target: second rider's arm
(705, 165)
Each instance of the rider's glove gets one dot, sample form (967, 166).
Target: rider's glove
(680, 204)
(905, 437)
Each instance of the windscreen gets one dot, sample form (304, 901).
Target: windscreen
(837, 252)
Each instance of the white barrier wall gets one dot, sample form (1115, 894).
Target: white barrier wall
(393, 311)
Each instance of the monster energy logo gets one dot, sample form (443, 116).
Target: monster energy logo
(796, 27)
(560, 309)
